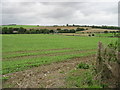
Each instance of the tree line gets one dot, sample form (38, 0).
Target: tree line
(21, 30)
(93, 26)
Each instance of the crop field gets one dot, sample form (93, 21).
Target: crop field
(25, 51)
(18, 26)
(105, 34)
(92, 30)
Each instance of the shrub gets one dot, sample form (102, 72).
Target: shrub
(80, 29)
(89, 35)
(105, 31)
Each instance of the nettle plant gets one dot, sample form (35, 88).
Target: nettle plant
(113, 45)
(83, 66)
(112, 51)
(109, 52)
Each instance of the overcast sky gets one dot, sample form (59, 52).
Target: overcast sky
(84, 13)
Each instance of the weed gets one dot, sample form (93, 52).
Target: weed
(83, 66)
(5, 78)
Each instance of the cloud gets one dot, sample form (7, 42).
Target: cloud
(98, 13)
(60, 0)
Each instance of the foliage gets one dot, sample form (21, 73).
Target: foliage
(21, 30)
(83, 66)
(107, 64)
(105, 31)
(113, 45)
(5, 78)
(106, 27)
(80, 29)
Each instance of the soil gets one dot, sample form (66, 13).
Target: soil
(45, 76)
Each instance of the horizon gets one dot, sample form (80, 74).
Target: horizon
(56, 24)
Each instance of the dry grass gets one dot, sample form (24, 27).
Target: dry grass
(98, 30)
(54, 28)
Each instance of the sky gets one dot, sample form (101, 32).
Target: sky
(54, 12)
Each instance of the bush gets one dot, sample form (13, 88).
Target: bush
(89, 35)
(93, 34)
(83, 66)
(80, 29)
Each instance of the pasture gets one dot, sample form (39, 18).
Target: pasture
(24, 51)
(18, 26)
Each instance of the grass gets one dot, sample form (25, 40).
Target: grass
(27, 42)
(24, 51)
(82, 79)
(22, 64)
(104, 34)
(5, 78)
(18, 26)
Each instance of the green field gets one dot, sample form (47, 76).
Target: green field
(18, 26)
(24, 51)
(105, 34)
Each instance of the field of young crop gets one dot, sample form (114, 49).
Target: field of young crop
(24, 51)
(105, 34)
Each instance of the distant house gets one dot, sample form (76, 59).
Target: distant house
(15, 32)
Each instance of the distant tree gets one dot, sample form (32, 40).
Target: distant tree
(0, 30)
(11, 30)
(46, 31)
(93, 34)
(72, 31)
(58, 30)
(89, 35)
(28, 32)
(21, 30)
(51, 31)
(65, 31)
(80, 29)
(41, 30)
(33, 31)
(55, 25)
(105, 31)
(67, 25)
(4, 30)
(37, 31)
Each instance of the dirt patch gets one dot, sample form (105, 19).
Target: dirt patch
(45, 76)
